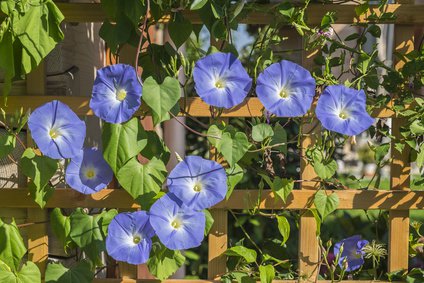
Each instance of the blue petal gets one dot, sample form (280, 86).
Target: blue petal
(164, 211)
(351, 252)
(57, 115)
(103, 101)
(121, 231)
(88, 158)
(337, 98)
(228, 68)
(210, 174)
(297, 80)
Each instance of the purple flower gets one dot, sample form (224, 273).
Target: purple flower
(129, 237)
(88, 172)
(177, 226)
(199, 183)
(286, 89)
(352, 252)
(341, 109)
(57, 130)
(220, 80)
(116, 93)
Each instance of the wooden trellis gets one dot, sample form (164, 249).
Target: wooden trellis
(398, 201)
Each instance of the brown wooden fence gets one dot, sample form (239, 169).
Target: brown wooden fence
(398, 201)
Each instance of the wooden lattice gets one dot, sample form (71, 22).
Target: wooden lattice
(398, 201)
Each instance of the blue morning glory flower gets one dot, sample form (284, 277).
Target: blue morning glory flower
(116, 93)
(129, 237)
(341, 109)
(57, 130)
(352, 254)
(286, 89)
(177, 226)
(88, 172)
(199, 183)
(220, 80)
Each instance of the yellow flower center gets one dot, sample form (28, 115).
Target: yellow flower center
(220, 84)
(54, 134)
(90, 174)
(136, 239)
(176, 223)
(343, 115)
(197, 187)
(284, 93)
(121, 94)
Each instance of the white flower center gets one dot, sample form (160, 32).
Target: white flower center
(284, 93)
(176, 223)
(54, 133)
(197, 187)
(220, 83)
(121, 94)
(344, 114)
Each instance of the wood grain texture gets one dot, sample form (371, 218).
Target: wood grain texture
(251, 107)
(406, 13)
(240, 199)
(400, 167)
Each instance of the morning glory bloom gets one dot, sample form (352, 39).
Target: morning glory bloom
(177, 226)
(116, 93)
(286, 89)
(352, 254)
(57, 130)
(220, 80)
(199, 183)
(88, 172)
(129, 237)
(341, 109)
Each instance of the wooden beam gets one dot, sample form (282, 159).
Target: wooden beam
(251, 107)
(110, 280)
(240, 199)
(406, 13)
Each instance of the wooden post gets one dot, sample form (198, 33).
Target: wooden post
(400, 166)
(218, 237)
(38, 240)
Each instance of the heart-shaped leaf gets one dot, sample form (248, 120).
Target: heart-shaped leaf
(325, 204)
(234, 147)
(81, 273)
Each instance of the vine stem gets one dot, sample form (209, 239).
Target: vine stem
(192, 130)
(140, 41)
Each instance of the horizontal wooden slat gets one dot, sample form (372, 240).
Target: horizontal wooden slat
(251, 107)
(406, 13)
(240, 199)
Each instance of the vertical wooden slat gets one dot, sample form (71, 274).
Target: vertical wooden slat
(37, 234)
(400, 167)
(218, 237)
(308, 253)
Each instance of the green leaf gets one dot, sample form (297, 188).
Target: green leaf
(234, 176)
(237, 276)
(282, 187)
(318, 220)
(284, 228)
(325, 169)
(361, 9)
(249, 255)
(29, 273)
(215, 136)
(164, 262)
(374, 30)
(161, 98)
(61, 227)
(155, 148)
(279, 137)
(266, 273)
(420, 156)
(381, 151)
(104, 219)
(233, 147)
(81, 273)
(179, 29)
(116, 34)
(209, 221)
(12, 247)
(142, 180)
(261, 131)
(197, 4)
(121, 142)
(416, 275)
(417, 127)
(87, 234)
(40, 169)
(38, 30)
(7, 144)
(325, 204)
